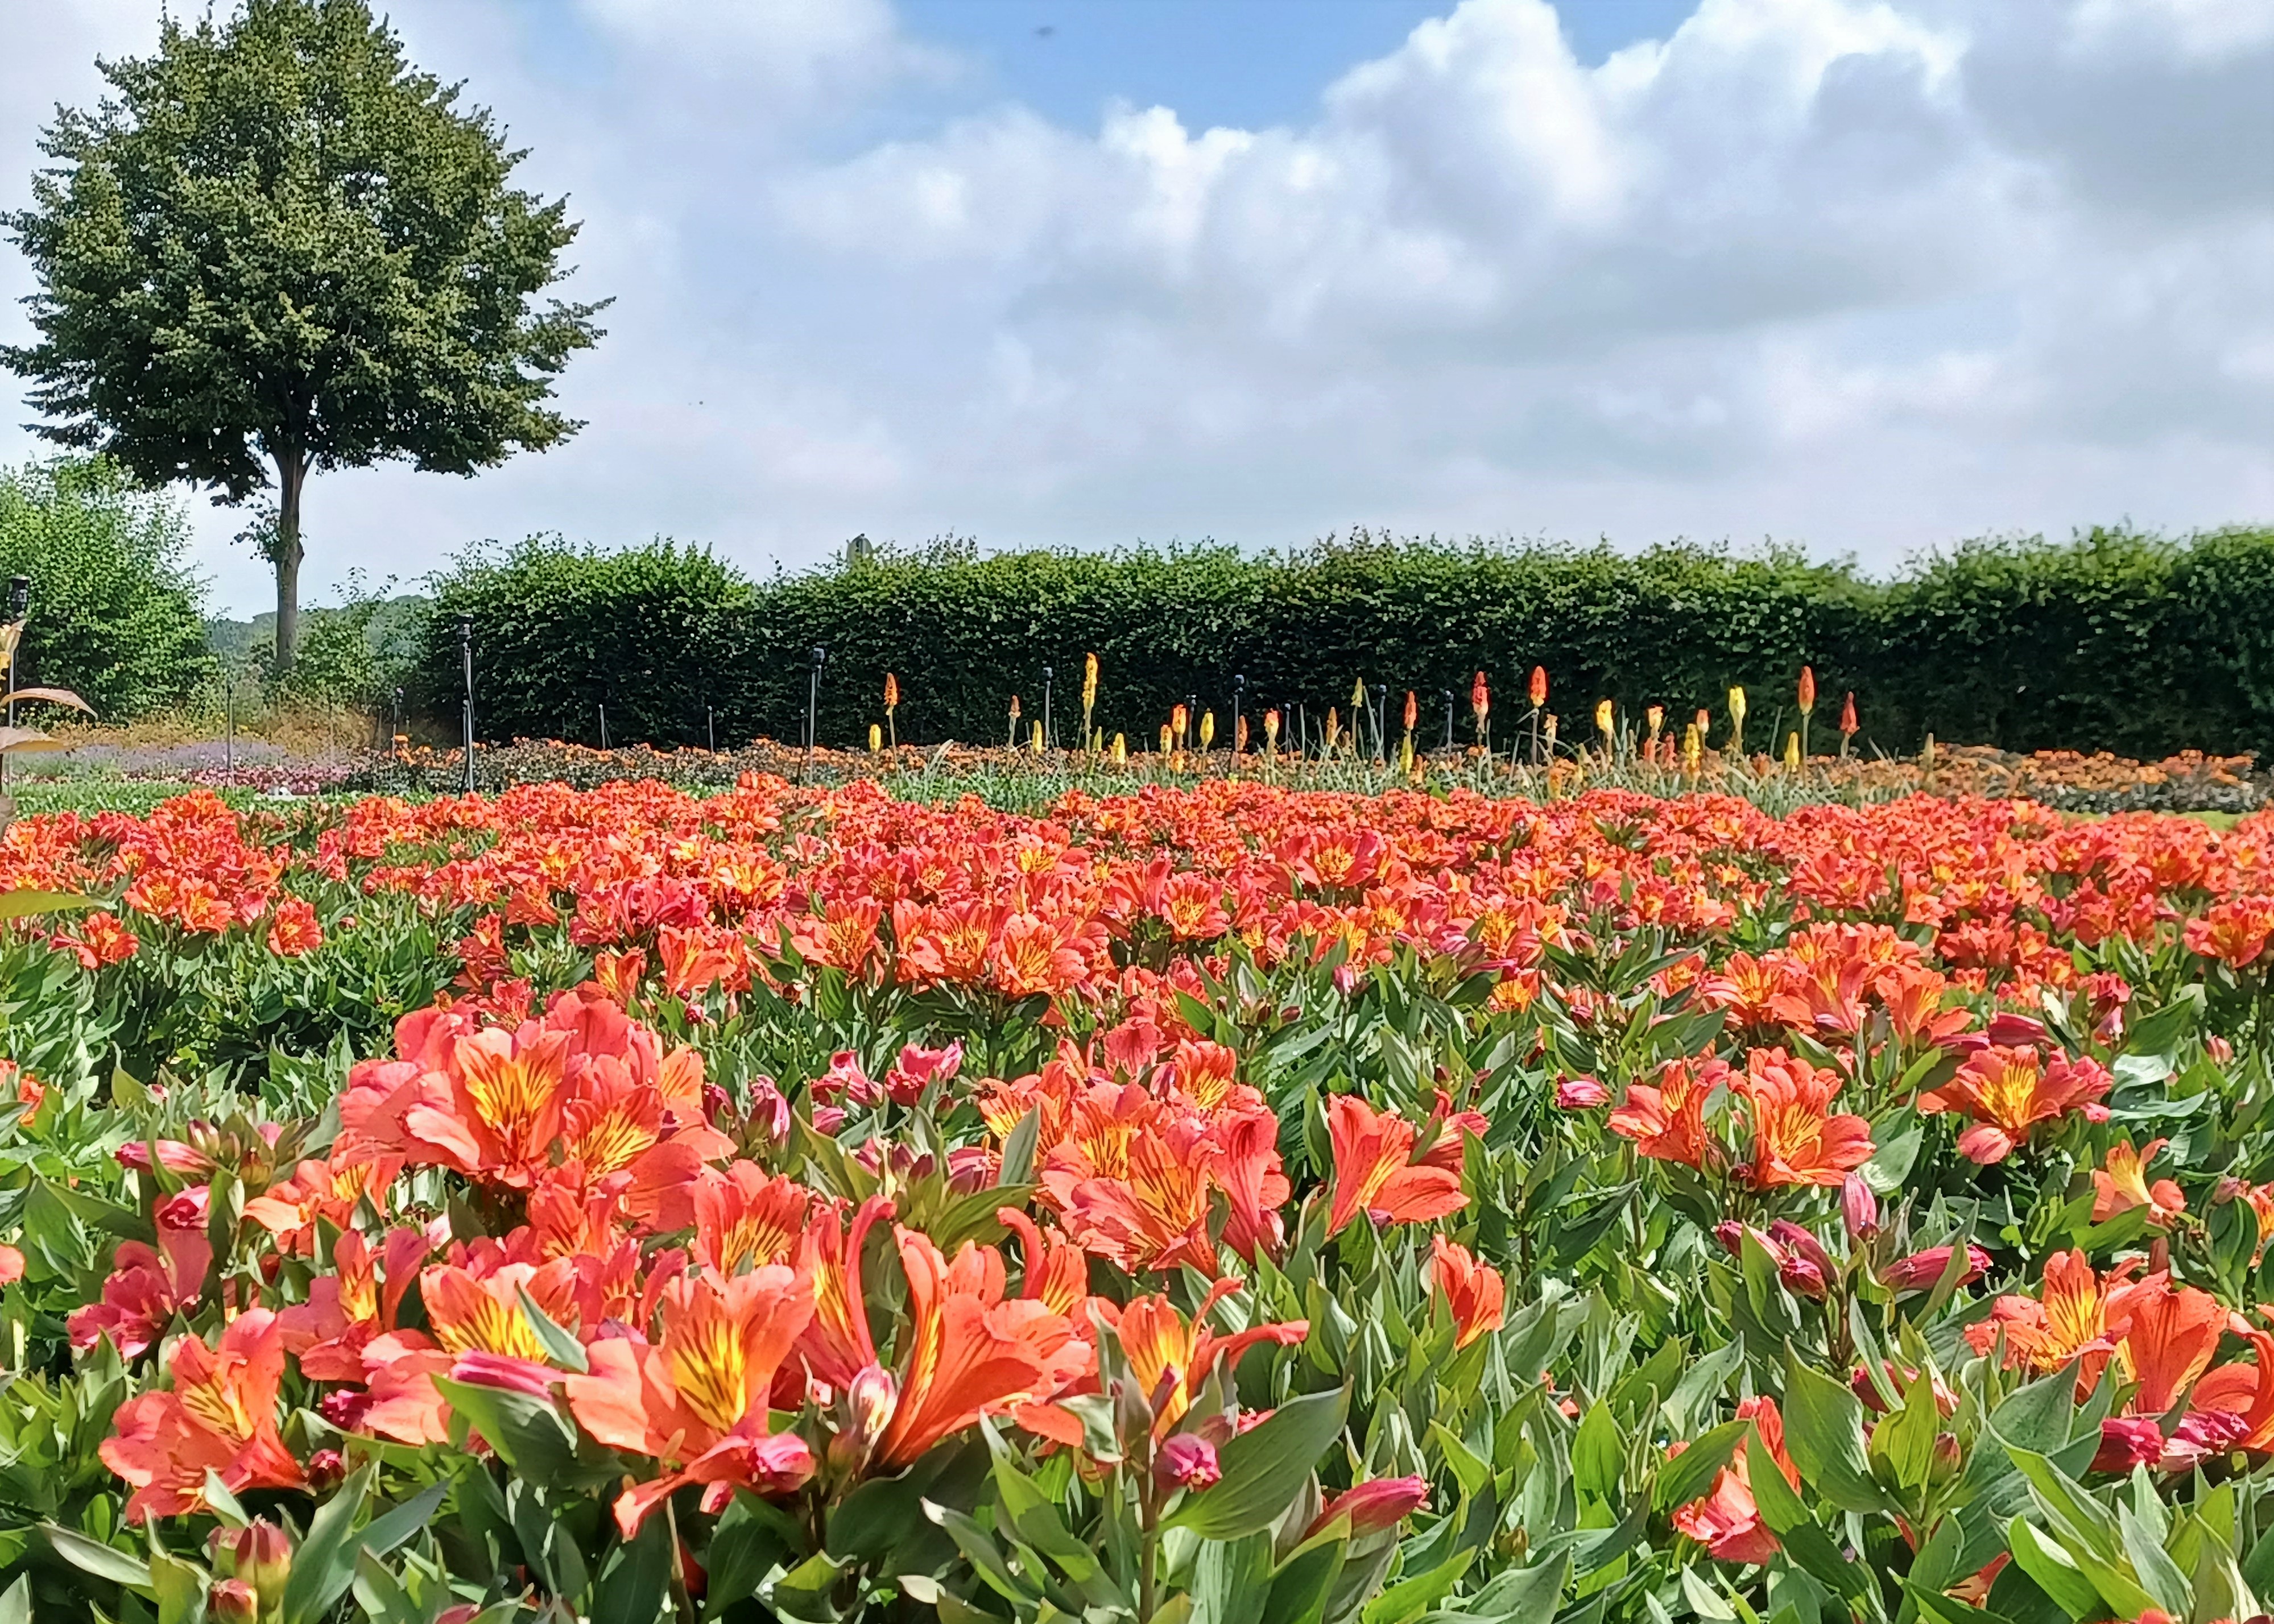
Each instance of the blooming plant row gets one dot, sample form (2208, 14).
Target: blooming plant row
(1220, 1203)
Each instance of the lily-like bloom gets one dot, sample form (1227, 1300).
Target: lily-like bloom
(350, 1306)
(744, 1218)
(2120, 1183)
(2169, 1337)
(1172, 1358)
(969, 1349)
(2071, 1319)
(2245, 1391)
(1474, 1291)
(1375, 1172)
(1667, 1121)
(1725, 1519)
(696, 1399)
(1797, 1137)
(2007, 1092)
(219, 1416)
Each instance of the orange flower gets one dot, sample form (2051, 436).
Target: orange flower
(1172, 1360)
(1667, 1122)
(1726, 1519)
(1807, 689)
(220, 1417)
(744, 1219)
(1473, 1291)
(1796, 1138)
(969, 1348)
(696, 1399)
(2009, 1091)
(1848, 723)
(2121, 1183)
(1539, 685)
(1375, 1172)
(2169, 1337)
(294, 931)
(2070, 1319)
(1480, 698)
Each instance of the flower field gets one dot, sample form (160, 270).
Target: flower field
(1215, 1203)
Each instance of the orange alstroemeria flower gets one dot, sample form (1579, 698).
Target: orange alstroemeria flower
(697, 1398)
(1797, 1139)
(1375, 1172)
(1172, 1358)
(1667, 1122)
(220, 1417)
(744, 1218)
(1725, 1519)
(969, 1349)
(1473, 1291)
(358, 1301)
(2120, 1183)
(2170, 1336)
(2009, 1091)
(470, 1313)
(2070, 1319)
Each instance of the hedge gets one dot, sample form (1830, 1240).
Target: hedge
(2116, 640)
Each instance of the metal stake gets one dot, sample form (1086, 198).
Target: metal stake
(711, 729)
(466, 658)
(1239, 698)
(1448, 719)
(813, 703)
(1049, 742)
(604, 726)
(19, 606)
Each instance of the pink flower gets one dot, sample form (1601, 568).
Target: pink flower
(1186, 1461)
(1859, 1208)
(1580, 1093)
(2127, 1441)
(1923, 1270)
(1374, 1505)
(918, 1069)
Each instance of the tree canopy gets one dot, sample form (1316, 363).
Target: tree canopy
(278, 248)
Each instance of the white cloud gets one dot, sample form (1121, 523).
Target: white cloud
(1866, 273)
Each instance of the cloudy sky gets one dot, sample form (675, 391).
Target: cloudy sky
(1863, 274)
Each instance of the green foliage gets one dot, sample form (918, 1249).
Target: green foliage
(278, 248)
(2114, 641)
(115, 608)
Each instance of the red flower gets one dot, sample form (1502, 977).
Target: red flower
(1473, 1291)
(1797, 1139)
(219, 1416)
(1375, 1172)
(2009, 1091)
(1667, 1122)
(1726, 1519)
(1372, 1505)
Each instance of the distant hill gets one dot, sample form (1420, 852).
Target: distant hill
(232, 640)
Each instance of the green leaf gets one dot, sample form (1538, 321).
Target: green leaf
(1300, 1587)
(16, 1601)
(1692, 1473)
(636, 1587)
(1788, 1518)
(2052, 1570)
(390, 1528)
(1264, 1468)
(25, 904)
(92, 1556)
(1824, 1430)
(324, 1564)
(560, 1345)
(1598, 1453)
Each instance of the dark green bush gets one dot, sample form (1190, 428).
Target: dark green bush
(2113, 641)
(115, 608)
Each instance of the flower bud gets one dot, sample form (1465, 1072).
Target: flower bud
(1859, 1208)
(869, 1400)
(1948, 1458)
(1374, 1505)
(1580, 1093)
(1186, 1461)
(233, 1602)
(2009, 1030)
(259, 1558)
(327, 1469)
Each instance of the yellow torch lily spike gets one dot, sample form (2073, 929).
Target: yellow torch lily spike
(1166, 734)
(1207, 729)
(1737, 720)
(1120, 749)
(1038, 739)
(876, 738)
(1693, 748)
(1088, 689)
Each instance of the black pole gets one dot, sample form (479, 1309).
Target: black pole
(812, 704)
(1048, 742)
(1239, 698)
(711, 728)
(466, 658)
(604, 725)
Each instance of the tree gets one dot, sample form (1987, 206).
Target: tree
(278, 249)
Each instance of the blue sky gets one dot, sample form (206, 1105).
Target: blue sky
(1864, 276)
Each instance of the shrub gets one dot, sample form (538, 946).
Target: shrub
(2112, 641)
(114, 607)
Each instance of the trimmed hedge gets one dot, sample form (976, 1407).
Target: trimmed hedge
(2115, 640)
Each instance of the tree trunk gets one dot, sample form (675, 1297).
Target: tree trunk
(291, 474)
